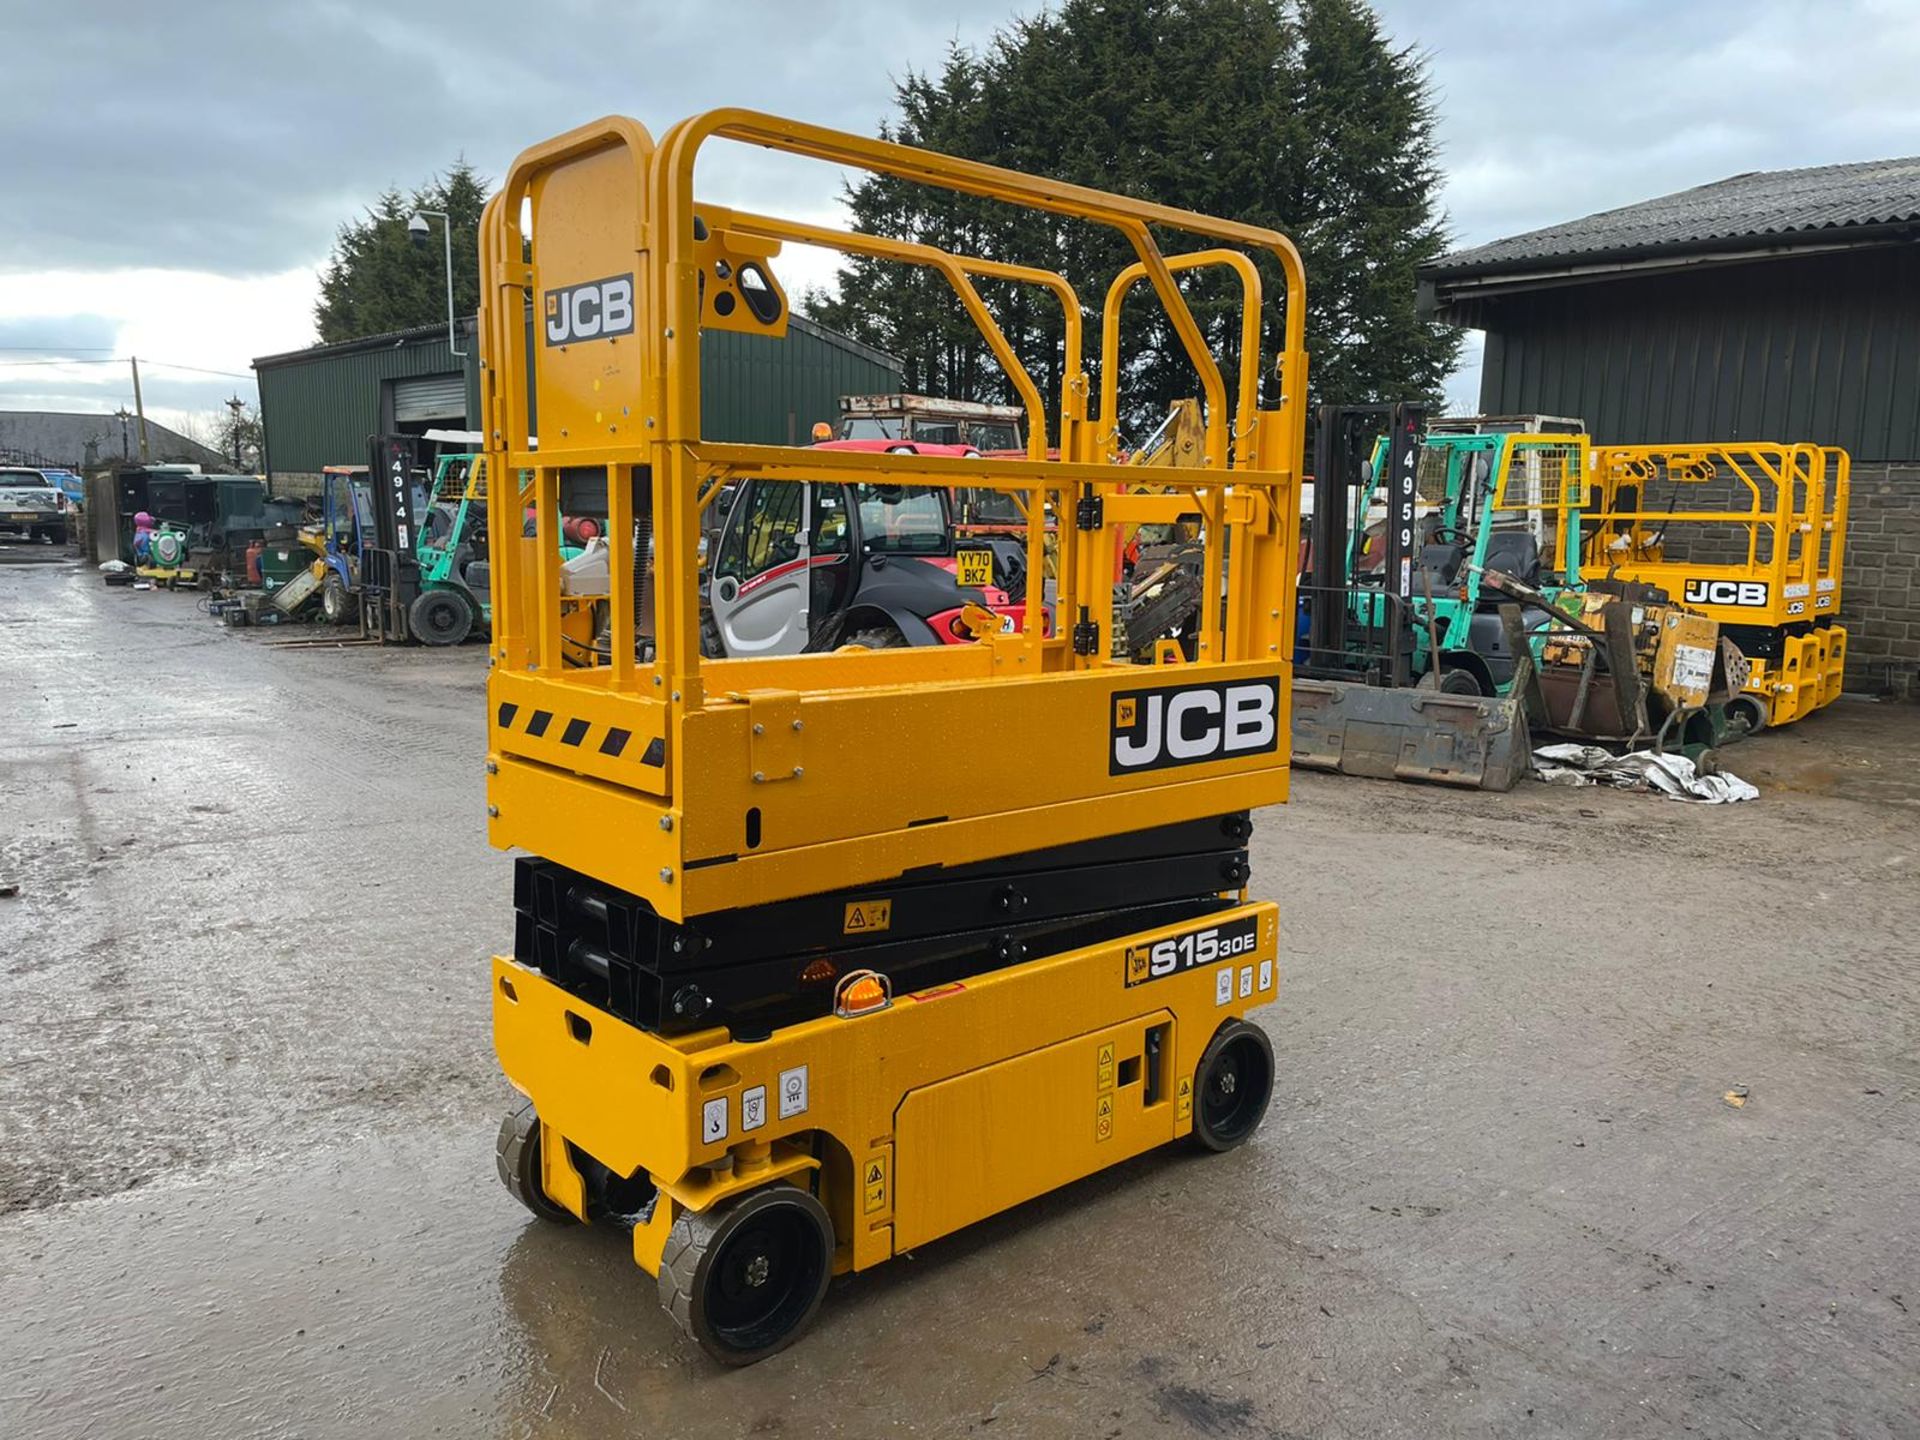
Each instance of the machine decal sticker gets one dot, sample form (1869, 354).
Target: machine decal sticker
(1246, 981)
(874, 1186)
(713, 1121)
(863, 917)
(1266, 975)
(1749, 594)
(1192, 724)
(596, 310)
(1192, 951)
(753, 1108)
(1223, 987)
(793, 1092)
(1103, 1119)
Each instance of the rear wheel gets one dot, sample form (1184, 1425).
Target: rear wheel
(880, 637)
(336, 603)
(441, 617)
(746, 1279)
(516, 1153)
(1458, 680)
(1232, 1086)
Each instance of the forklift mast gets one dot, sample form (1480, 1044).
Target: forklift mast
(390, 565)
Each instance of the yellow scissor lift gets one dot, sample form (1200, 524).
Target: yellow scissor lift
(1753, 535)
(821, 957)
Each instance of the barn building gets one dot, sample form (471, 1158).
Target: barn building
(1777, 305)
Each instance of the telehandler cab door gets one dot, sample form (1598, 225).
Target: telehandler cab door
(761, 583)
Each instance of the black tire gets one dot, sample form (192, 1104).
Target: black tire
(1232, 1086)
(441, 617)
(880, 637)
(1750, 707)
(1458, 680)
(746, 1279)
(516, 1153)
(338, 605)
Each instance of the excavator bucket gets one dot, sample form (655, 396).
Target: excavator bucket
(1473, 741)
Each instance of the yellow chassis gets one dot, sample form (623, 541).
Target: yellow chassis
(950, 1105)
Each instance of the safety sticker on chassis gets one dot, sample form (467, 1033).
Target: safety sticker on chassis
(1195, 949)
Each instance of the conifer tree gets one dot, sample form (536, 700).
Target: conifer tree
(377, 280)
(1293, 114)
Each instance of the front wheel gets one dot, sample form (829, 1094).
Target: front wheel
(337, 606)
(516, 1154)
(441, 617)
(1232, 1086)
(746, 1279)
(880, 637)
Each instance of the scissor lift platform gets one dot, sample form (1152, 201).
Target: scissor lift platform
(824, 956)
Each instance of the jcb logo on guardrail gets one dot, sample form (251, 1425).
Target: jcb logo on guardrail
(1192, 724)
(1751, 594)
(597, 310)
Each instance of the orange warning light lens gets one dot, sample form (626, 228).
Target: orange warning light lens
(863, 994)
(822, 431)
(819, 970)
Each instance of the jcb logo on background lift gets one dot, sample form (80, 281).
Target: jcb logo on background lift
(597, 310)
(1192, 724)
(1749, 593)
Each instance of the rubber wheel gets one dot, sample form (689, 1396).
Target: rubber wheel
(339, 607)
(1232, 1086)
(441, 617)
(1457, 681)
(746, 1279)
(881, 637)
(516, 1152)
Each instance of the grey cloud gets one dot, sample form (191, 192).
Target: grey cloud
(1555, 110)
(247, 132)
(39, 336)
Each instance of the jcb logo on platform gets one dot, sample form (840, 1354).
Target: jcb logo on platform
(1192, 724)
(1749, 593)
(597, 310)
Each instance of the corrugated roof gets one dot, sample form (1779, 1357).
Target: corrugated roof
(1764, 206)
(77, 441)
(386, 340)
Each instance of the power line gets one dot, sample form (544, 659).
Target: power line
(122, 360)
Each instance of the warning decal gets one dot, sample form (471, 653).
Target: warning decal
(866, 916)
(874, 1185)
(1183, 1100)
(1103, 1118)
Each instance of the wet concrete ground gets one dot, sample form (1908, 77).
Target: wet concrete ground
(247, 1103)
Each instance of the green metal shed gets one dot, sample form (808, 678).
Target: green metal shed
(319, 405)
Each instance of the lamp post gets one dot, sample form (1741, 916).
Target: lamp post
(417, 231)
(237, 405)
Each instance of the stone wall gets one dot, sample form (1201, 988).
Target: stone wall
(1880, 585)
(295, 484)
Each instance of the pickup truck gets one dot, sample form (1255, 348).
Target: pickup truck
(33, 505)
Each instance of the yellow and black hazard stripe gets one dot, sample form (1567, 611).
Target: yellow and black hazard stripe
(576, 733)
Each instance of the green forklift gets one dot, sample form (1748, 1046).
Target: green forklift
(455, 590)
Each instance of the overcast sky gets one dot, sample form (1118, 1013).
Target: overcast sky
(171, 176)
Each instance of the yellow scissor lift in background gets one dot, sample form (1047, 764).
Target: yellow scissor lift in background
(1753, 535)
(821, 957)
